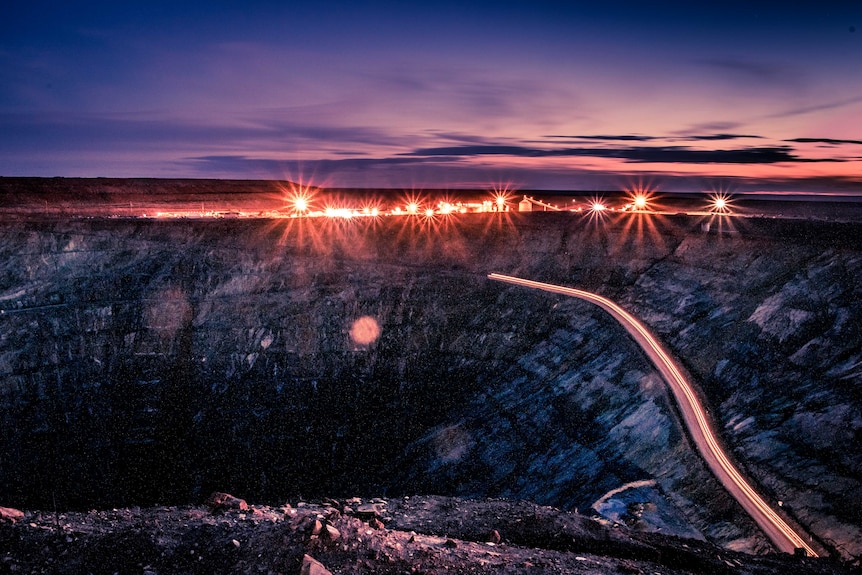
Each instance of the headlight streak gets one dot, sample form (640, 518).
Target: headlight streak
(781, 534)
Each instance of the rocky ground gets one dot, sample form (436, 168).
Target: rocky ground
(410, 535)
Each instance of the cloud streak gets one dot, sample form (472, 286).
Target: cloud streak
(621, 138)
(637, 154)
(826, 106)
(448, 171)
(746, 72)
(688, 137)
(718, 137)
(823, 141)
(263, 129)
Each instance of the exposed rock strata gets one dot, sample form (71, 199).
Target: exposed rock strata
(144, 361)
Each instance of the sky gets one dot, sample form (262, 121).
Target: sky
(675, 96)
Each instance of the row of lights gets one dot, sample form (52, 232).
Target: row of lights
(719, 203)
(301, 205)
(300, 202)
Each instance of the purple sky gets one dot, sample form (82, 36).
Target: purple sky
(742, 96)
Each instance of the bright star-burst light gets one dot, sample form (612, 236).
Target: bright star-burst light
(597, 209)
(640, 201)
(639, 198)
(300, 200)
(500, 201)
(719, 203)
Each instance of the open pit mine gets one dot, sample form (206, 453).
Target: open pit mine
(149, 362)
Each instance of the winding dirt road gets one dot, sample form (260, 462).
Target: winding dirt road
(694, 418)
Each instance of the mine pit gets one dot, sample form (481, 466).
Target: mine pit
(150, 362)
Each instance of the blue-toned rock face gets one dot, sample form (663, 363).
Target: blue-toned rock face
(158, 361)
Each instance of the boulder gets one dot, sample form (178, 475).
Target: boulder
(311, 566)
(225, 501)
(330, 533)
(9, 514)
(375, 523)
(369, 510)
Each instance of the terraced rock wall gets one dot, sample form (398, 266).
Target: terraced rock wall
(154, 361)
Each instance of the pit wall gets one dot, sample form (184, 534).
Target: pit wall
(155, 361)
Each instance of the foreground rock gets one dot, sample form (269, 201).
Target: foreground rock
(428, 535)
(225, 501)
(9, 514)
(311, 566)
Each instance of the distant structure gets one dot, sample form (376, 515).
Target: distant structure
(526, 205)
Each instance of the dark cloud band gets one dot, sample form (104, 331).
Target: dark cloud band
(643, 154)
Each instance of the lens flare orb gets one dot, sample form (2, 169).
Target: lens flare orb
(365, 330)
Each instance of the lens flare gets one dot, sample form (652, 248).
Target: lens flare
(364, 330)
(300, 200)
(501, 200)
(719, 203)
(640, 195)
(597, 209)
(333, 212)
(371, 208)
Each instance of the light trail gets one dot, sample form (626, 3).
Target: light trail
(694, 417)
